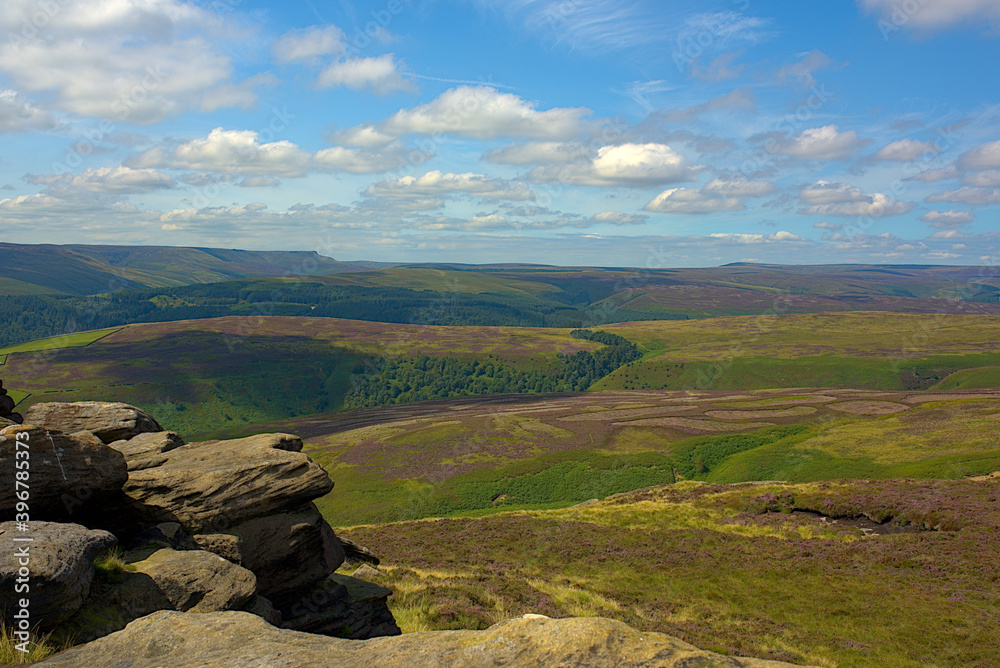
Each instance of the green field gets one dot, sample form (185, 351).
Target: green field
(971, 379)
(56, 342)
(776, 571)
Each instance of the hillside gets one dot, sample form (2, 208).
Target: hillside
(89, 270)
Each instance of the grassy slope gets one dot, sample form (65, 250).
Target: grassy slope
(705, 563)
(459, 457)
(971, 379)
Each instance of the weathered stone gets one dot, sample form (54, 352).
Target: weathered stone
(285, 551)
(212, 486)
(167, 579)
(354, 553)
(61, 565)
(198, 581)
(262, 607)
(146, 450)
(111, 421)
(366, 572)
(343, 607)
(241, 639)
(165, 534)
(68, 474)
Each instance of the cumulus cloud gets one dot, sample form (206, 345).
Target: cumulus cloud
(380, 74)
(18, 115)
(756, 238)
(634, 165)
(112, 180)
(947, 219)
(967, 195)
(905, 150)
(482, 112)
(987, 179)
(242, 152)
(738, 188)
(135, 60)
(937, 174)
(309, 43)
(826, 198)
(985, 156)
(538, 153)
(435, 184)
(690, 201)
(825, 143)
(933, 15)
(362, 136)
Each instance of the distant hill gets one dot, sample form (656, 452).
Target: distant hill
(89, 270)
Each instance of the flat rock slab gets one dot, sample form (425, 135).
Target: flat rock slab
(182, 640)
(146, 450)
(110, 421)
(213, 486)
(68, 472)
(60, 565)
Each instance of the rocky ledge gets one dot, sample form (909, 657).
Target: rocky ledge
(239, 639)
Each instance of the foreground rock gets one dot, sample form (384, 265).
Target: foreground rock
(194, 580)
(212, 486)
(343, 607)
(146, 450)
(183, 640)
(7, 414)
(61, 564)
(109, 421)
(68, 472)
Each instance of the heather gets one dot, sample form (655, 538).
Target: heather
(791, 572)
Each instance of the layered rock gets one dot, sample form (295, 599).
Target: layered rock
(238, 639)
(212, 486)
(69, 473)
(109, 421)
(146, 450)
(341, 606)
(59, 562)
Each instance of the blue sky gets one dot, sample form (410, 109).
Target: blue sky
(568, 132)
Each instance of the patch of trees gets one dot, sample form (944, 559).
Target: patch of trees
(401, 380)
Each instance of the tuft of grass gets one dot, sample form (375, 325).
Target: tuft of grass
(40, 646)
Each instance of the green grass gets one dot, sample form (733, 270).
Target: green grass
(719, 567)
(40, 646)
(971, 379)
(58, 342)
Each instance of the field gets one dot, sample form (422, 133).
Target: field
(898, 573)
(477, 455)
(66, 341)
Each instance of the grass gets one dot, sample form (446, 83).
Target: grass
(39, 646)
(721, 568)
(971, 379)
(56, 342)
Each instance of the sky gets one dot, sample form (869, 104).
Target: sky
(570, 132)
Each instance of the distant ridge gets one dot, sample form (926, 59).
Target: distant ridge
(89, 270)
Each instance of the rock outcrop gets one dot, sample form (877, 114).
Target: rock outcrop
(59, 559)
(109, 421)
(213, 640)
(146, 450)
(69, 473)
(7, 405)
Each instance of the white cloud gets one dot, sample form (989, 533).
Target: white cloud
(932, 175)
(481, 112)
(739, 187)
(362, 136)
(619, 218)
(824, 225)
(826, 198)
(690, 201)
(259, 182)
(18, 115)
(947, 219)
(230, 151)
(967, 195)
(932, 15)
(755, 238)
(985, 156)
(634, 165)
(380, 74)
(242, 152)
(948, 234)
(538, 153)
(138, 61)
(436, 184)
(987, 179)
(905, 150)
(112, 180)
(825, 143)
(309, 43)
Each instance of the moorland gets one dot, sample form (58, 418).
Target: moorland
(789, 462)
